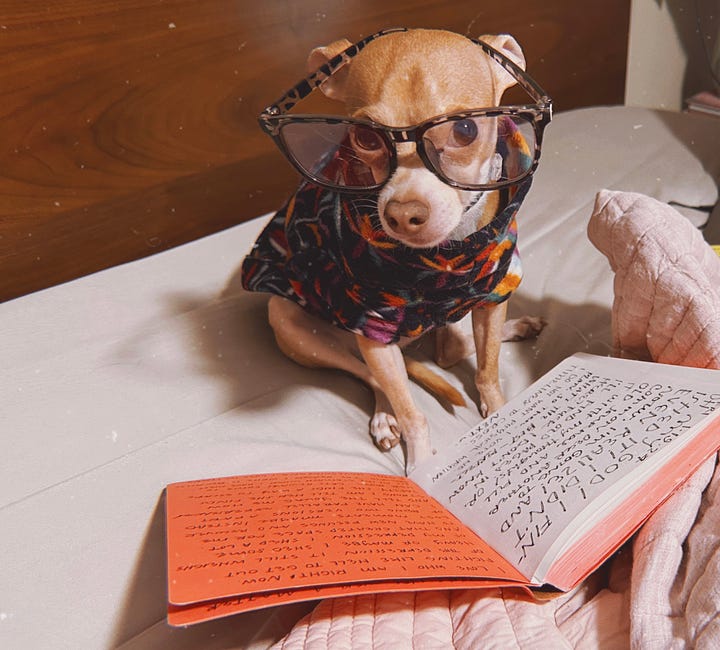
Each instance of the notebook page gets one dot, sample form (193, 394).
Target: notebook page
(519, 478)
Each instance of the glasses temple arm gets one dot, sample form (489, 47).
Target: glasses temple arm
(523, 78)
(316, 78)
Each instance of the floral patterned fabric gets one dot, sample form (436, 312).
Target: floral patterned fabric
(328, 252)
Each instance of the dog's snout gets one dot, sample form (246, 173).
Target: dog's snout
(406, 217)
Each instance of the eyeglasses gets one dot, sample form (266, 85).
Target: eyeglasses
(478, 150)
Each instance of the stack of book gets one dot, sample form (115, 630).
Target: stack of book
(704, 102)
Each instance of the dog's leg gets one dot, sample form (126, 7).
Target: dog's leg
(454, 342)
(388, 369)
(488, 324)
(314, 343)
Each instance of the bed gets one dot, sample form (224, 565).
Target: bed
(118, 381)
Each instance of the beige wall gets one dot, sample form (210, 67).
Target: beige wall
(666, 60)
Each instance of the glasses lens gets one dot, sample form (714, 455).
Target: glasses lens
(339, 154)
(481, 151)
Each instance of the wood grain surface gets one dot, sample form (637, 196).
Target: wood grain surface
(129, 126)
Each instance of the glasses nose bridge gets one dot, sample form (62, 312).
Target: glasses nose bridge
(408, 136)
(403, 134)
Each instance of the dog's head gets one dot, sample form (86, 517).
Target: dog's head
(402, 80)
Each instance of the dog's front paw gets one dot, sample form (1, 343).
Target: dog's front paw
(525, 327)
(491, 399)
(385, 430)
(416, 454)
(416, 434)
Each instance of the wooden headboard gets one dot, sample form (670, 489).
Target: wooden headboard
(129, 126)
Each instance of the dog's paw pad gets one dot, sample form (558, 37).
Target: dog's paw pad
(384, 429)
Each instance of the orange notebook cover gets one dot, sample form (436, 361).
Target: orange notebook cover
(240, 543)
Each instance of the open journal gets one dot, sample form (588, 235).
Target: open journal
(538, 494)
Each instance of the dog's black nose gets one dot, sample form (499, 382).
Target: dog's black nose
(406, 218)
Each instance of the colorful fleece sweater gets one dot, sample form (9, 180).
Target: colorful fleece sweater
(328, 252)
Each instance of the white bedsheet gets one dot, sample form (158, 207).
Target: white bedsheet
(164, 370)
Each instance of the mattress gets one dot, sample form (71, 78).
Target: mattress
(164, 370)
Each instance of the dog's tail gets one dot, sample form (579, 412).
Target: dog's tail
(433, 382)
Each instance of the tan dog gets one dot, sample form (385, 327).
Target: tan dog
(398, 80)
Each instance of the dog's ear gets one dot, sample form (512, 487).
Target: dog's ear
(334, 87)
(511, 49)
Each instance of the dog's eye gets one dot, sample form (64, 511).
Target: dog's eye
(367, 139)
(464, 133)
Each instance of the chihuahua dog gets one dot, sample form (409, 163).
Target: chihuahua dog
(404, 78)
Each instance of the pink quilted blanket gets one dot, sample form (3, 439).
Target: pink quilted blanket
(667, 281)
